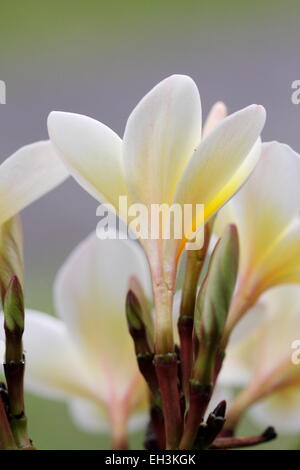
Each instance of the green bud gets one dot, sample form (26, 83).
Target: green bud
(133, 312)
(11, 253)
(14, 320)
(144, 306)
(14, 306)
(214, 298)
(139, 331)
(136, 325)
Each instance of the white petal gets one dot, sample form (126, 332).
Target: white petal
(89, 416)
(240, 359)
(223, 161)
(54, 367)
(281, 410)
(262, 340)
(92, 153)
(234, 372)
(215, 115)
(92, 418)
(281, 263)
(137, 422)
(264, 211)
(160, 137)
(90, 293)
(27, 175)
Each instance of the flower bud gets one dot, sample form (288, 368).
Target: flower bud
(14, 320)
(214, 300)
(136, 325)
(11, 253)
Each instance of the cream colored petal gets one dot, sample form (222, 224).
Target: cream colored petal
(217, 112)
(160, 137)
(138, 422)
(90, 292)
(240, 359)
(89, 416)
(92, 153)
(93, 418)
(272, 327)
(264, 211)
(27, 175)
(220, 166)
(281, 410)
(281, 262)
(223, 161)
(54, 368)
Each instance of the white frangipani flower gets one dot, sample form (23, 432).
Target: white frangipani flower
(86, 356)
(266, 213)
(162, 159)
(261, 361)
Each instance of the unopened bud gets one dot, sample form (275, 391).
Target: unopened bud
(213, 301)
(137, 328)
(14, 320)
(11, 253)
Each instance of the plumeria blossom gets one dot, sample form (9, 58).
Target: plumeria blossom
(266, 212)
(162, 159)
(259, 358)
(25, 176)
(86, 355)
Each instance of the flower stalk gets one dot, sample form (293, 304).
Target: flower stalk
(212, 306)
(238, 442)
(194, 264)
(200, 396)
(14, 365)
(7, 441)
(166, 367)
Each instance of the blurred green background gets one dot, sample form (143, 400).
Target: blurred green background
(99, 58)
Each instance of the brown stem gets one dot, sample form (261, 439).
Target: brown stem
(119, 439)
(238, 442)
(167, 375)
(220, 356)
(14, 374)
(158, 424)
(7, 441)
(199, 398)
(119, 442)
(147, 369)
(185, 330)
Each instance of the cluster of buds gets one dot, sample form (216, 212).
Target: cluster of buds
(181, 384)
